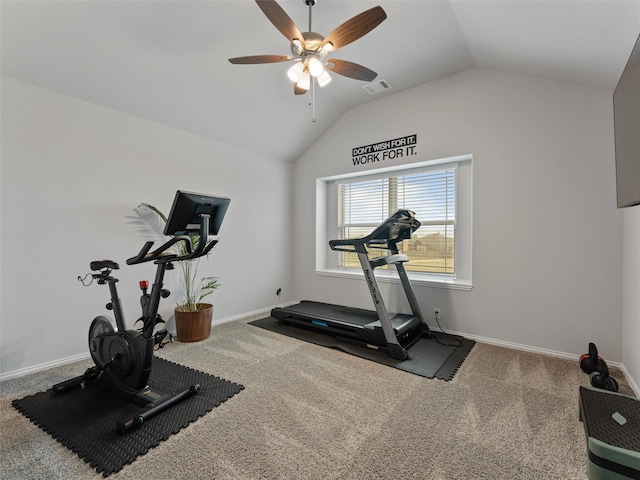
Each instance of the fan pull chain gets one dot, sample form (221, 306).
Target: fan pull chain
(312, 100)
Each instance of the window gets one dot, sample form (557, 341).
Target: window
(440, 194)
(431, 194)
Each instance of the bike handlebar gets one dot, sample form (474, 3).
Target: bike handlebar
(200, 251)
(160, 254)
(145, 255)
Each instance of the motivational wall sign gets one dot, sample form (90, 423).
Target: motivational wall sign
(387, 150)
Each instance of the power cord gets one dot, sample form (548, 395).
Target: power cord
(162, 338)
(82, 279)
(458, 342)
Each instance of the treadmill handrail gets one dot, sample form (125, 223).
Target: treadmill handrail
(338, 244)
(396, 228)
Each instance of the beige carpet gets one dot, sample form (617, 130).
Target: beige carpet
(308, 412)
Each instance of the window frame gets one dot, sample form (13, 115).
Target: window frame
(327, 224)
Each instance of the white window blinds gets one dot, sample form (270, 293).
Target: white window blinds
(431, 194)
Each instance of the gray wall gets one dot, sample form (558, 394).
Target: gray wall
(72, 175)
(547, 255)
(631, 295)
(555, 264)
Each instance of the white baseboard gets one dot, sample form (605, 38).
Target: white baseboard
(265, 311)
(551, 353)
(517, 346)
(627, 375)
(83, 356)
(44, 366)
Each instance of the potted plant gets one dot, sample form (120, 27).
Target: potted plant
(193, 316)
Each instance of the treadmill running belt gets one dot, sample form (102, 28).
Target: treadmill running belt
(428, 357)
(356, 316)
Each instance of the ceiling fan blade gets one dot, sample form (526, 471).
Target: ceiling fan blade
(351, 70)
(280, 19)
(260, 59)
(355, 27)
(298, 91)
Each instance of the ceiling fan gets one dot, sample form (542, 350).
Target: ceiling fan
(310, 50)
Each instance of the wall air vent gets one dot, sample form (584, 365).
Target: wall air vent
(377, 87)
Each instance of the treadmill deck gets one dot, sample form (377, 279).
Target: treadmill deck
(352, 322)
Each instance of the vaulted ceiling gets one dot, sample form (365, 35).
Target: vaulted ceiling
(166, 61)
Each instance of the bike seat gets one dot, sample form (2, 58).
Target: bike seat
(100, 264)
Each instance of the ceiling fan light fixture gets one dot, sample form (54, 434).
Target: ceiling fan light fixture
(326, 48)
(296, 47)
(305, 81)
(295, 72)
(315, 67)
(324, 78)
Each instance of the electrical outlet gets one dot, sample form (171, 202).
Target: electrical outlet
(436, 313)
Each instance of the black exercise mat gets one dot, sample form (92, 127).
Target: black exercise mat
(84, 421)
(428, 357)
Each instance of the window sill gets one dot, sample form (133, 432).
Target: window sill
(416, 279)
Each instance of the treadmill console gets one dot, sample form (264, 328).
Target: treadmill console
(395, 229)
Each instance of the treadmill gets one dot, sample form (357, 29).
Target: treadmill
(379, 329)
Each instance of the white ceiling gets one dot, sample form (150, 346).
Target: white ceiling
(166, 61)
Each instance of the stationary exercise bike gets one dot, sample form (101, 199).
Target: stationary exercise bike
(123, 357)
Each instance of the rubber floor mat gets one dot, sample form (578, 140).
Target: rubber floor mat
(84, 420)
(437, 357)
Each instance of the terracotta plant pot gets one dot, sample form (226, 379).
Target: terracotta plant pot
(194, 326)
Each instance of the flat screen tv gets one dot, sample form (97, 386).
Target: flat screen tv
(626, 117)
(187, 209)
